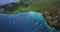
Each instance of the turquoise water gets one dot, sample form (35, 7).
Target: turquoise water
(23, 22)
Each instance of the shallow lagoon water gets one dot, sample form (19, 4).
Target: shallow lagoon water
(23, 22)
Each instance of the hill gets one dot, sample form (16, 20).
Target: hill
(34, 5)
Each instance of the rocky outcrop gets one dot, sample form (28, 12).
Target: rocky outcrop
(53, 18)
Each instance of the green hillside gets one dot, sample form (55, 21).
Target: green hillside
(33, 5)
(39, 5)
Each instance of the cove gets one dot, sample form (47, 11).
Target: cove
(23, 22)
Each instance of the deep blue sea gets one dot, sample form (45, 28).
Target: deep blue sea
(3, 2)
(23, 22)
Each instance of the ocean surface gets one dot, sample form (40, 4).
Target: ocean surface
(23, 22)
(3, 2)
